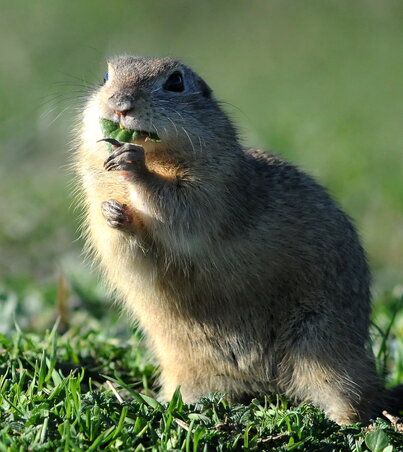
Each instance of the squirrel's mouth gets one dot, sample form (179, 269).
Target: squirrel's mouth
(117, 131)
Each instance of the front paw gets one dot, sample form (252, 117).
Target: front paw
(117, 215)
(128, 157)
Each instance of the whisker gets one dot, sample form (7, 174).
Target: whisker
(58, 116)
(75, 77)
(178, 113)
(235, 107)
(169, 119)
(155, 128)
(190, 140)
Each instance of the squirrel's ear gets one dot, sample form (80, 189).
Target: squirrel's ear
(204, 88)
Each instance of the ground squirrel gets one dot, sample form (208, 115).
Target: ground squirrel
(243, 273)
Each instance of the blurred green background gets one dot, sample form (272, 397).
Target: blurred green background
(320, 82)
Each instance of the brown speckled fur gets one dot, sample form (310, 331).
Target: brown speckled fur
(243, 273)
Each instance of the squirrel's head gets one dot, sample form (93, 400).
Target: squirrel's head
(164, 98)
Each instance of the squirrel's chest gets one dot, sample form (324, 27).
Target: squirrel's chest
(137, 200)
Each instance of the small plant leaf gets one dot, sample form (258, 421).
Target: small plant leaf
(377, 441)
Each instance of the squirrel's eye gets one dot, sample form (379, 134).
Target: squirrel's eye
(106, 77)
(174, 82)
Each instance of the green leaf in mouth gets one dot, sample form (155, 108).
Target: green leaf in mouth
(112, 129)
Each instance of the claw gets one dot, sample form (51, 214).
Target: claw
(117, 215)
(111, 141)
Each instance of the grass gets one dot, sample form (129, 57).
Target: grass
(318, 82)
(90, 384)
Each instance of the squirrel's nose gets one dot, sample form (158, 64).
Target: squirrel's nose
(121, 103)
